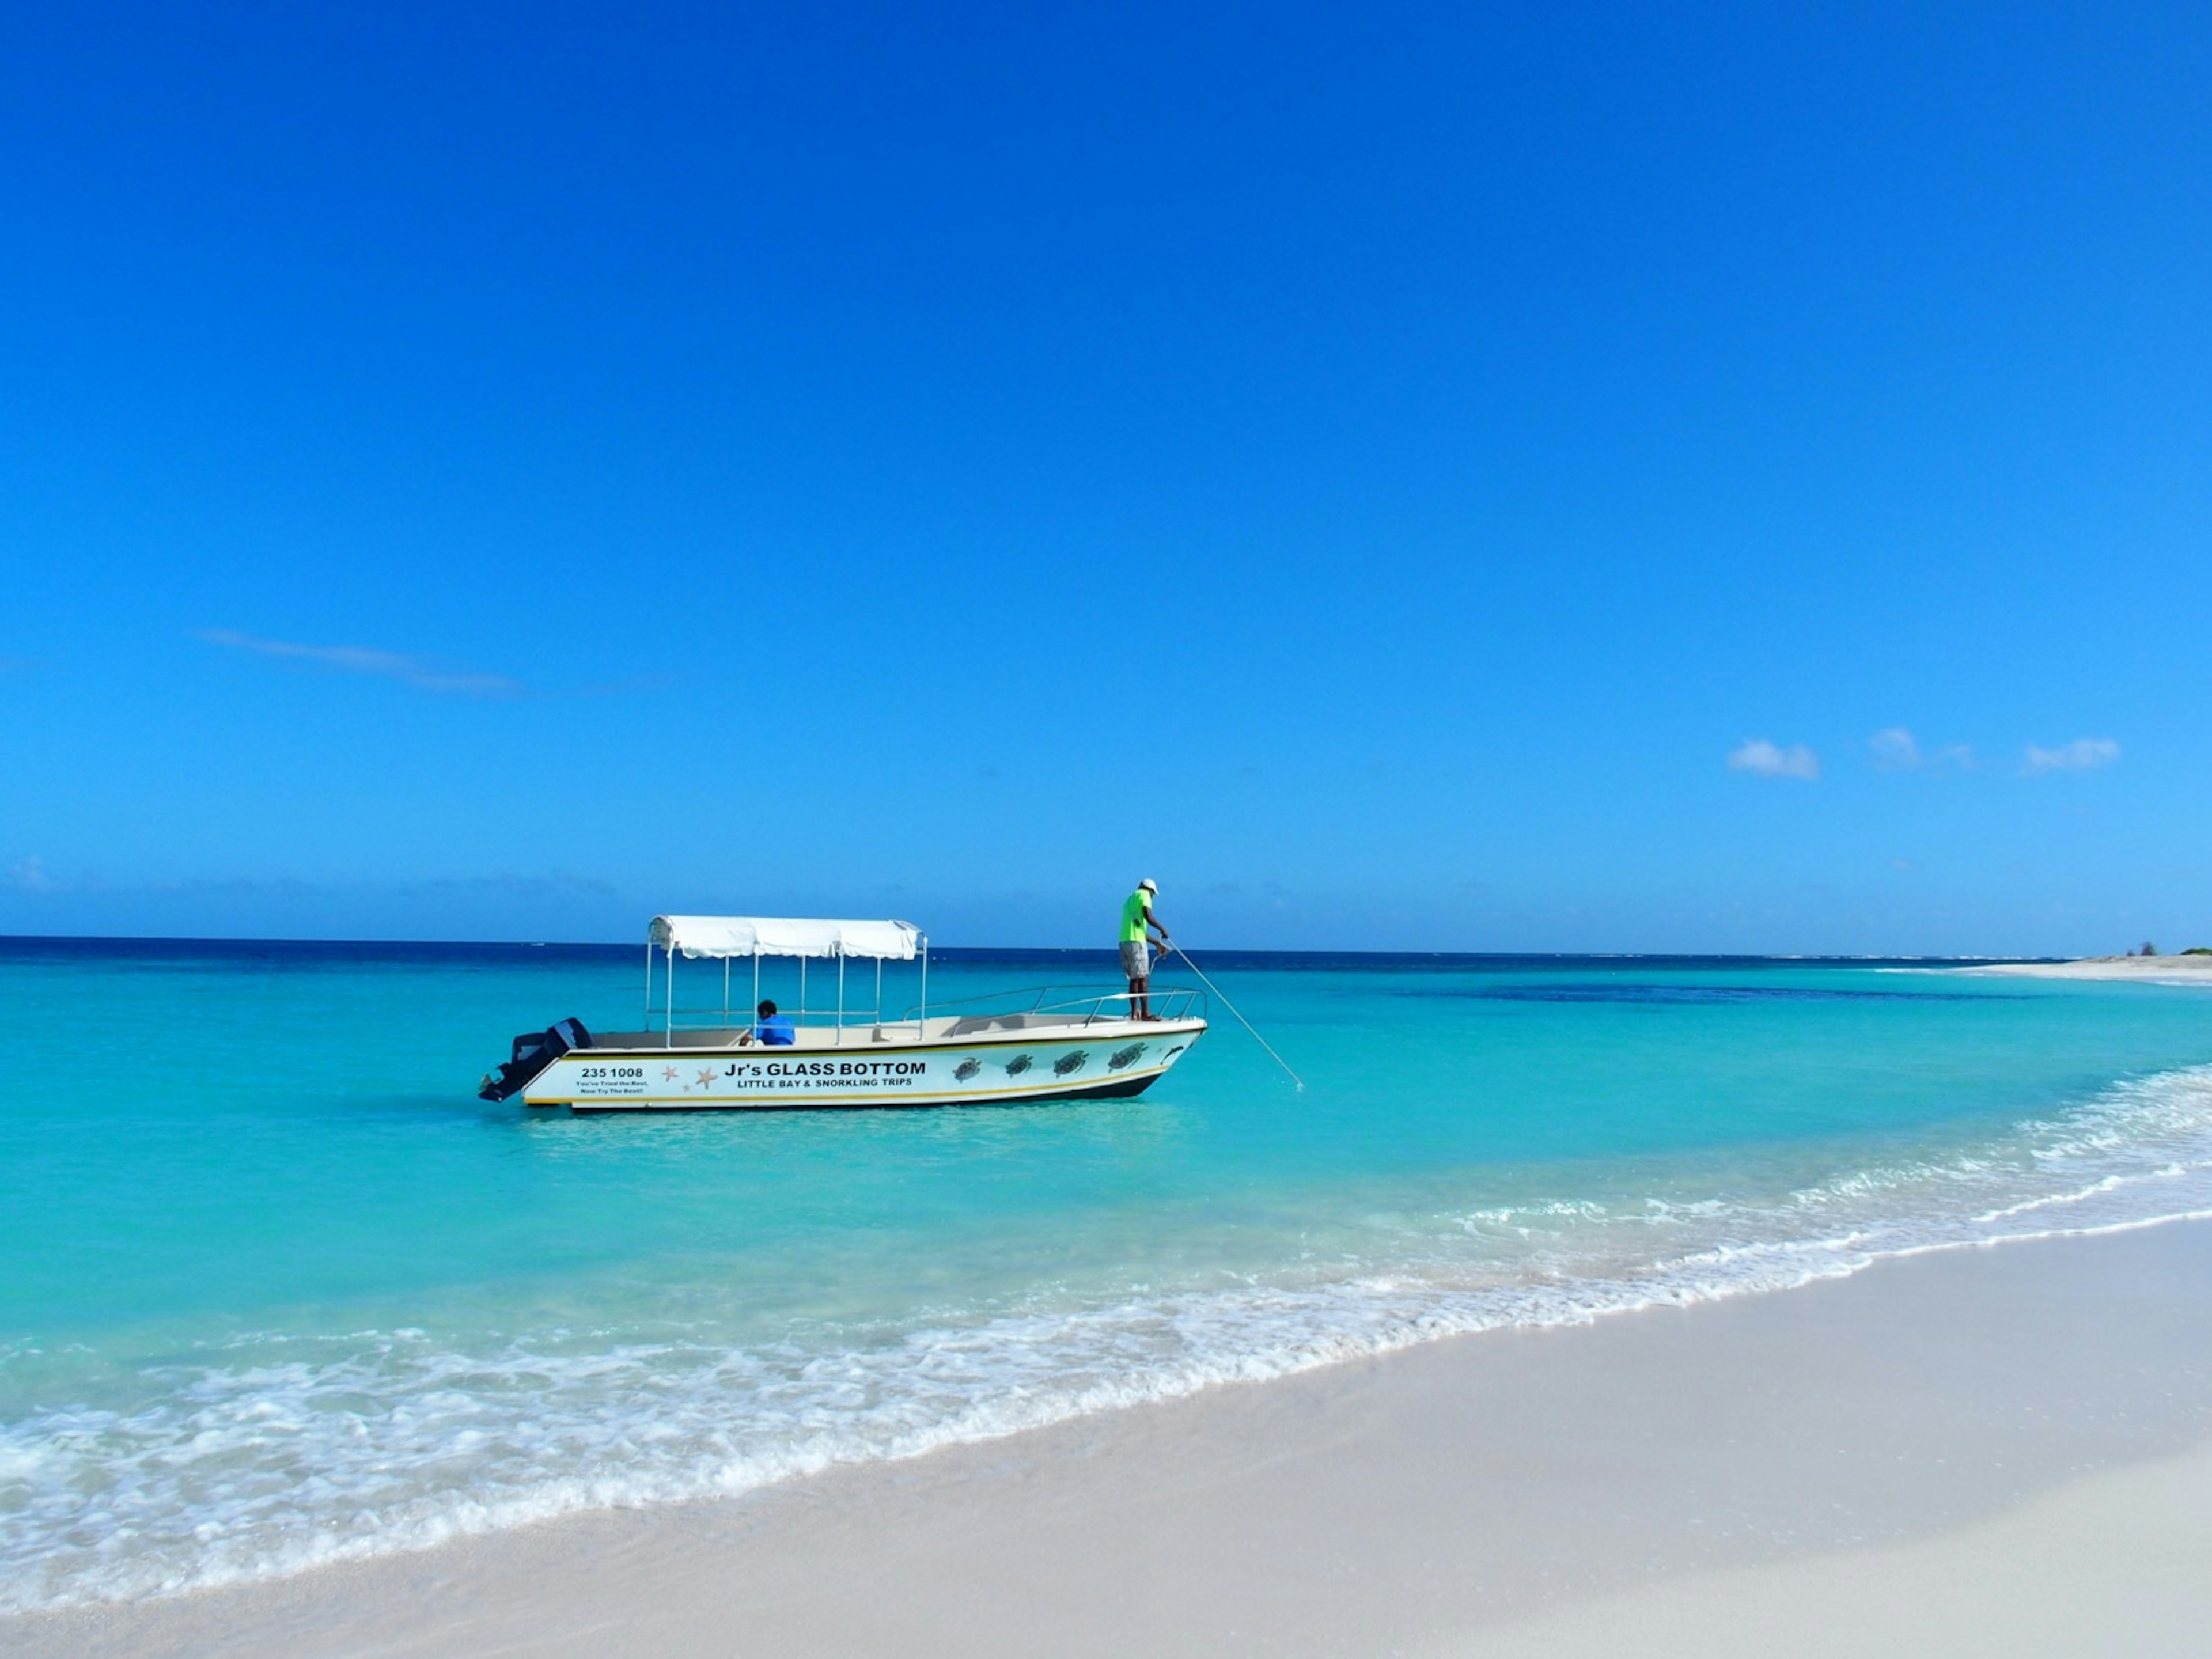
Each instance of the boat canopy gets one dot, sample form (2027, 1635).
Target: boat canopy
(785, 936)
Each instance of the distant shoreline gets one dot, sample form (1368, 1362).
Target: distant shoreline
(2193, 971)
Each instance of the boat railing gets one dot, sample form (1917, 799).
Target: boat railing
(1056, 1005)
(1066, 1005)
(712, 1017)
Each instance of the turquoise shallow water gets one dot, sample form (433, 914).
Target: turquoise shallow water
(278, 1288)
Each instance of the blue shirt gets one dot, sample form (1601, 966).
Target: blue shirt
(775, 1029)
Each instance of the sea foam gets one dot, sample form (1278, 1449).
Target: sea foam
(273, 1452)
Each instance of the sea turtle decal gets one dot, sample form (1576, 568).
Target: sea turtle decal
(1018, 1064)
(966, 1069)
(1124, 1056)
(1070, 1063)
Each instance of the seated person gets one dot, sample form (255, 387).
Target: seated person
(774, 1028)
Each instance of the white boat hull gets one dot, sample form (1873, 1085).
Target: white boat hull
(997, 1067)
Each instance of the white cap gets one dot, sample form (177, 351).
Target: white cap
(1150, 886)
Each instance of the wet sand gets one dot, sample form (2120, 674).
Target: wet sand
(2003, 1449)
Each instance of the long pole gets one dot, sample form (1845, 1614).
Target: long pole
(1215, 991)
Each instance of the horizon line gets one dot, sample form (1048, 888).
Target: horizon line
(1102, 950)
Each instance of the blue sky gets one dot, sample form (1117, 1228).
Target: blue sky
(1426, 477)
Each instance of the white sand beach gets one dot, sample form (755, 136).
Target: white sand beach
(2005, 1450)
(2149, 970)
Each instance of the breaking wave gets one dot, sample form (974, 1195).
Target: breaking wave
(269, 1454)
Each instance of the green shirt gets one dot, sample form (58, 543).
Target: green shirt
(1132, 915)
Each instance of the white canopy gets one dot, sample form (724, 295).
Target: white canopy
(774, 936)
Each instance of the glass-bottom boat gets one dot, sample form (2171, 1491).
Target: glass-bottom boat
(1045, 1044)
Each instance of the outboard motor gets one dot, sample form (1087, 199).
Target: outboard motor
(531, 1053)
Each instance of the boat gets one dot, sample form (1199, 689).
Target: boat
(1038, 1043)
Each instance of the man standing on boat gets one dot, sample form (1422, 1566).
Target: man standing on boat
(1137, 948)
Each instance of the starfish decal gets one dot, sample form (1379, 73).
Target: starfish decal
(707, 1078)
(668, 1074)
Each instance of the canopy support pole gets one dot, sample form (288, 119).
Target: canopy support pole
(841, 999)
(756, 982)
(725, 994)
(668, 1029)
(649, 984)
(922, 1025)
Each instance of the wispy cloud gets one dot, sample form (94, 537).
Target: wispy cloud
(1896, 749)
(2082, 755)
(29, 876)
(362, 659)
(1762, 759)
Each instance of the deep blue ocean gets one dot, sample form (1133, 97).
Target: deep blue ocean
(278, 1288)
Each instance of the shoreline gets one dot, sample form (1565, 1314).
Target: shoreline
(2192, 971)
(1445, 1498)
